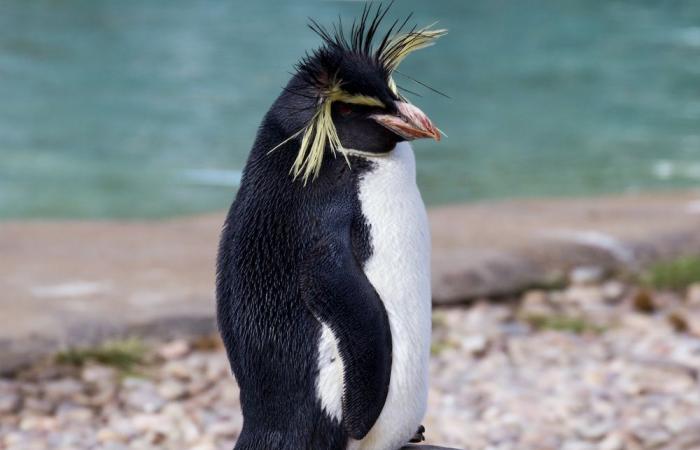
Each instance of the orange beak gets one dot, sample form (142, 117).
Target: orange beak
(410, 123)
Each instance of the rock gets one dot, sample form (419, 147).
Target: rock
(174, 350)
(114, 446)
(652, 436)
(593, 429)
(613, 441)
(106, 435)
(66, 388)
(224, 428)
(151, 422)
(578, 445)
(693, 295)
(10, 402)
(476, 344)
(144, 401)
(535, 303)
(38, 423)
(678, 321)
(583, 295)
(68, 413)
(98, 374)
(205, 445)
(586, 275)
(643, 301)
(172, 390)
(39, 406)
(177, 369)
(612, 291)
(141, 395)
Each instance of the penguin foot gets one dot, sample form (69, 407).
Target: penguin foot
(418, 437)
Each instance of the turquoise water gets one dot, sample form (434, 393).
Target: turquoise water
(124, 108)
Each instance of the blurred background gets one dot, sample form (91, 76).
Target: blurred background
(564, 208)
(148, 109)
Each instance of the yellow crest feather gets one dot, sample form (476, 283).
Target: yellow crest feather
(402, 45)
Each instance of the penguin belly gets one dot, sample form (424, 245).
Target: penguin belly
(399, 270)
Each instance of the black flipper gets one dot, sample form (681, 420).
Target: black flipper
(339, 295)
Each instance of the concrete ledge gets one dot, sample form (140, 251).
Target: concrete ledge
(499, 248)
(67, 283)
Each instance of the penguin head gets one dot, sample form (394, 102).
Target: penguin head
(343, 96)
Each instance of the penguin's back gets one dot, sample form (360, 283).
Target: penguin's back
(272, 339)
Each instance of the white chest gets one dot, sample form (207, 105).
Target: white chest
(399, 270)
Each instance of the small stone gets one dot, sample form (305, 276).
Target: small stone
(121, 426)
(37, 423)
(693, 295)
(586, 275)
(151, 423)
(535, 303)
(62, 389)
(144, 401)
(177, 369)
(114, 446)
(475, 344)
(577, 445)
(583, 296)
(612, 291)
(73, 414)
(678, 322)
(189, 430)
(98, 374)
(39, 406)
(206, 445)
(593, 430)
(174, 350)
(612, 441)
(106, 435)
(141, 395)
(223, 429)
(10, 402)
(644, 302)
(652, 437)
(172, 390)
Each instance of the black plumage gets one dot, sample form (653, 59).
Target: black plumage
(291, 254)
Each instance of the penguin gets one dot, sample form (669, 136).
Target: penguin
(323, 270)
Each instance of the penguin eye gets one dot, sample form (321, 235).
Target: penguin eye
(344, 109)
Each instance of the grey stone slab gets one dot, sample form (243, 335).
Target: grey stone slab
(64, 283)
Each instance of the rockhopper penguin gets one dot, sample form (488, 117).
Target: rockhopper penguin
(323, 281)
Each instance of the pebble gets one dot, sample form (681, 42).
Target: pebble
(172, 390)
(475, 344)
(693, 295)
(613, 441)
(98, 374)
(499, 385)
(62, 389)
(586, 275)
(535, 303)
(10, 402)
(612, 291)
(174, 350)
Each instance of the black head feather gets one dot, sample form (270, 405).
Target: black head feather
(354, 67)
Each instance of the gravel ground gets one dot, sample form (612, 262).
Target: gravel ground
(594, 365)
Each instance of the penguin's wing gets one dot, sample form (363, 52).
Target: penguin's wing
(339, 294)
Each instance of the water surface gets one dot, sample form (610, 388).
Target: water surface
(119, 108)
